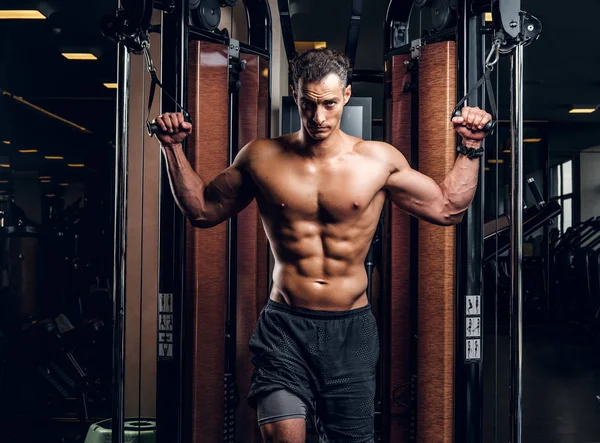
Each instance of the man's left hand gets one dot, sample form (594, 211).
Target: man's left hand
(470, 126)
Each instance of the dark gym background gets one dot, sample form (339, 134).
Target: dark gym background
(57, 202)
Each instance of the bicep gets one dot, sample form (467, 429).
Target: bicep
(416, 193)
(230, 191)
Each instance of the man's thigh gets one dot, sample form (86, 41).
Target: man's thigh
(348, 414)
(282, 417)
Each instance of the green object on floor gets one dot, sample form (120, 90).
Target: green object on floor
(137, 430)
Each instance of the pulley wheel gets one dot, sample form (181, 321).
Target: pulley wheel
(229, 2)
(453, 4)
(208, 15)
(422, 3)
(441, 14)
(194, 4)
(138, 14)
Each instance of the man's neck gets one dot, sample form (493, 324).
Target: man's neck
(326, 148)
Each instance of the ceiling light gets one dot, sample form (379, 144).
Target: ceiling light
(75, 165)
(27, 151)
(305, 46)
(3, 181)
(583, 109)
(6, 142)
(45, 177)
(50, 195)
(4, 165)
(488, 17)
(79, 56)
(22, 15)
(53, 157)
(64, 185)
(507, 151)
(44, 181)
(495, 161)
(110, 85)
(486, 169)
(532, 140)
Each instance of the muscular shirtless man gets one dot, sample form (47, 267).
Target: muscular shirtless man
(320, 193)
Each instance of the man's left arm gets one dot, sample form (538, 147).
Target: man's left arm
(444, 203)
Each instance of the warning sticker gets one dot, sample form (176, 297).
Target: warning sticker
(473, 327)
(473, 351)
(473, 305)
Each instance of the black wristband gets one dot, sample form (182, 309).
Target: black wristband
(470, 153)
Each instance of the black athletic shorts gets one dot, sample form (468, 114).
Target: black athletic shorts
(328, 359)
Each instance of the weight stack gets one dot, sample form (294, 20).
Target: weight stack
(437, 250)
(205, 282)
(396, 321)
(252, 291)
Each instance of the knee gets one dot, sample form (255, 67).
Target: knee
(272, 434)
(292, 431)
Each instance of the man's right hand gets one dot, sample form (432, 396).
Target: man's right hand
(174, 129)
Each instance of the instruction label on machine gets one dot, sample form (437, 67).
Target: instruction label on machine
(165, 326)
(472, 328)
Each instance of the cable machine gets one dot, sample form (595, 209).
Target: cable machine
(200, 292)
(470, 50)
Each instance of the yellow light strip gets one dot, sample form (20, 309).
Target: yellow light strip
(110, 85)
(37, 108)
(53, 157)
(488, 17)
(45, 177)
(79, 56)
(22, 15)
(76, 165)
(44, 181)
(532, 140)
(507, 151)
(495, 161)
(4, 165)
(6, 142)
(27, 151)
(582, 110)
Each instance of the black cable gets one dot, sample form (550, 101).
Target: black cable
(141, 255)
(497, 210)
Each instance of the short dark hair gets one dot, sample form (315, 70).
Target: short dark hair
(316, 64)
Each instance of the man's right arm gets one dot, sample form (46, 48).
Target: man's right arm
(205, 205)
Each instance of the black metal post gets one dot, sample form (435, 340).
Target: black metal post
(469, 269)
(235, 66)
(169, 388)
(120, 242)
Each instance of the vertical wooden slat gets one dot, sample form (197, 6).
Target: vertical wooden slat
(436, 319)
(205, 250)
(399, 280)
(252, 257)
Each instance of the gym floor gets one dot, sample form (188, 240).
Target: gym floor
(561, 379)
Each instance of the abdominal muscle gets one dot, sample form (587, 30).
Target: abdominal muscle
(316, 270)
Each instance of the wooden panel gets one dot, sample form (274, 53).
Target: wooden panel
(252, 252)
(437, 152)
(141, 310)
(205, 250)
(399, 254)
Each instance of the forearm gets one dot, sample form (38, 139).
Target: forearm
(186, 185)
(459, 187)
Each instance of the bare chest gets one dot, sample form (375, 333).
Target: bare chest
(328, 193)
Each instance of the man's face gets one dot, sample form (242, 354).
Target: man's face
(321, 105)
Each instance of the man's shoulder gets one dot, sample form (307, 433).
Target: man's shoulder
(384, 153)
(259, 148)
(375, 149)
